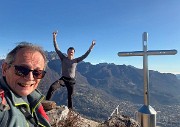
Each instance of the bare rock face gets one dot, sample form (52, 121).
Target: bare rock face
(61, 116)
(121, 121)
(55, 113)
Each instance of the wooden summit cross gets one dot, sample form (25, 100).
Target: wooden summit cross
(146, 114)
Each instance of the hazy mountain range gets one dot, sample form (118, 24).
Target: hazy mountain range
(100, 88)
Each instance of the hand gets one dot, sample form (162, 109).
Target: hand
(54, 36)
(92, 45)
(93, 42)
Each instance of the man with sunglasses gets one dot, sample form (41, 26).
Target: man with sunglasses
(20, 101)
(69, 64)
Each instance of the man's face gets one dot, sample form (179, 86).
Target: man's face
(71, 53)
(23, 86)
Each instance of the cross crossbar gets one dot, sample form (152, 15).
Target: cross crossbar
(150, 52)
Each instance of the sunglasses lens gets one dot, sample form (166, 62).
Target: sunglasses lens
(39, 74)
(23, 71)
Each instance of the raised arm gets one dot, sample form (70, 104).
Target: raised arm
(55, 42)
(87, 53)
(60, 54)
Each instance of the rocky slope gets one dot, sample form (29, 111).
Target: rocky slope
(61, 116)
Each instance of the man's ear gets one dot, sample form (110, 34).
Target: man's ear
(5, 66)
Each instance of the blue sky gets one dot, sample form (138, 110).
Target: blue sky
(116, 25)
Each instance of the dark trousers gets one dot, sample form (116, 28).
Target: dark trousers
(63, 81)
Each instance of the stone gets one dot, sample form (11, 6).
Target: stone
(57, 114)
(48, 105)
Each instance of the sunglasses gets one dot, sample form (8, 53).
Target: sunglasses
(24, 71)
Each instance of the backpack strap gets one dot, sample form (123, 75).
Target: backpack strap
(4, 106)
(28, 116)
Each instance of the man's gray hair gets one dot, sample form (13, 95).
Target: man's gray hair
(11, 56)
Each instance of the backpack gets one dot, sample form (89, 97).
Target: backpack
(3, 104)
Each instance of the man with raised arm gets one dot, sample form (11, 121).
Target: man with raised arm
(69, 64)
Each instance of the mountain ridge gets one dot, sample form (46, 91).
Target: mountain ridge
(101, 87)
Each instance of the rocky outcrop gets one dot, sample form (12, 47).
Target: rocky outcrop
(61, 116)
(121, 121)
(55, 113)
